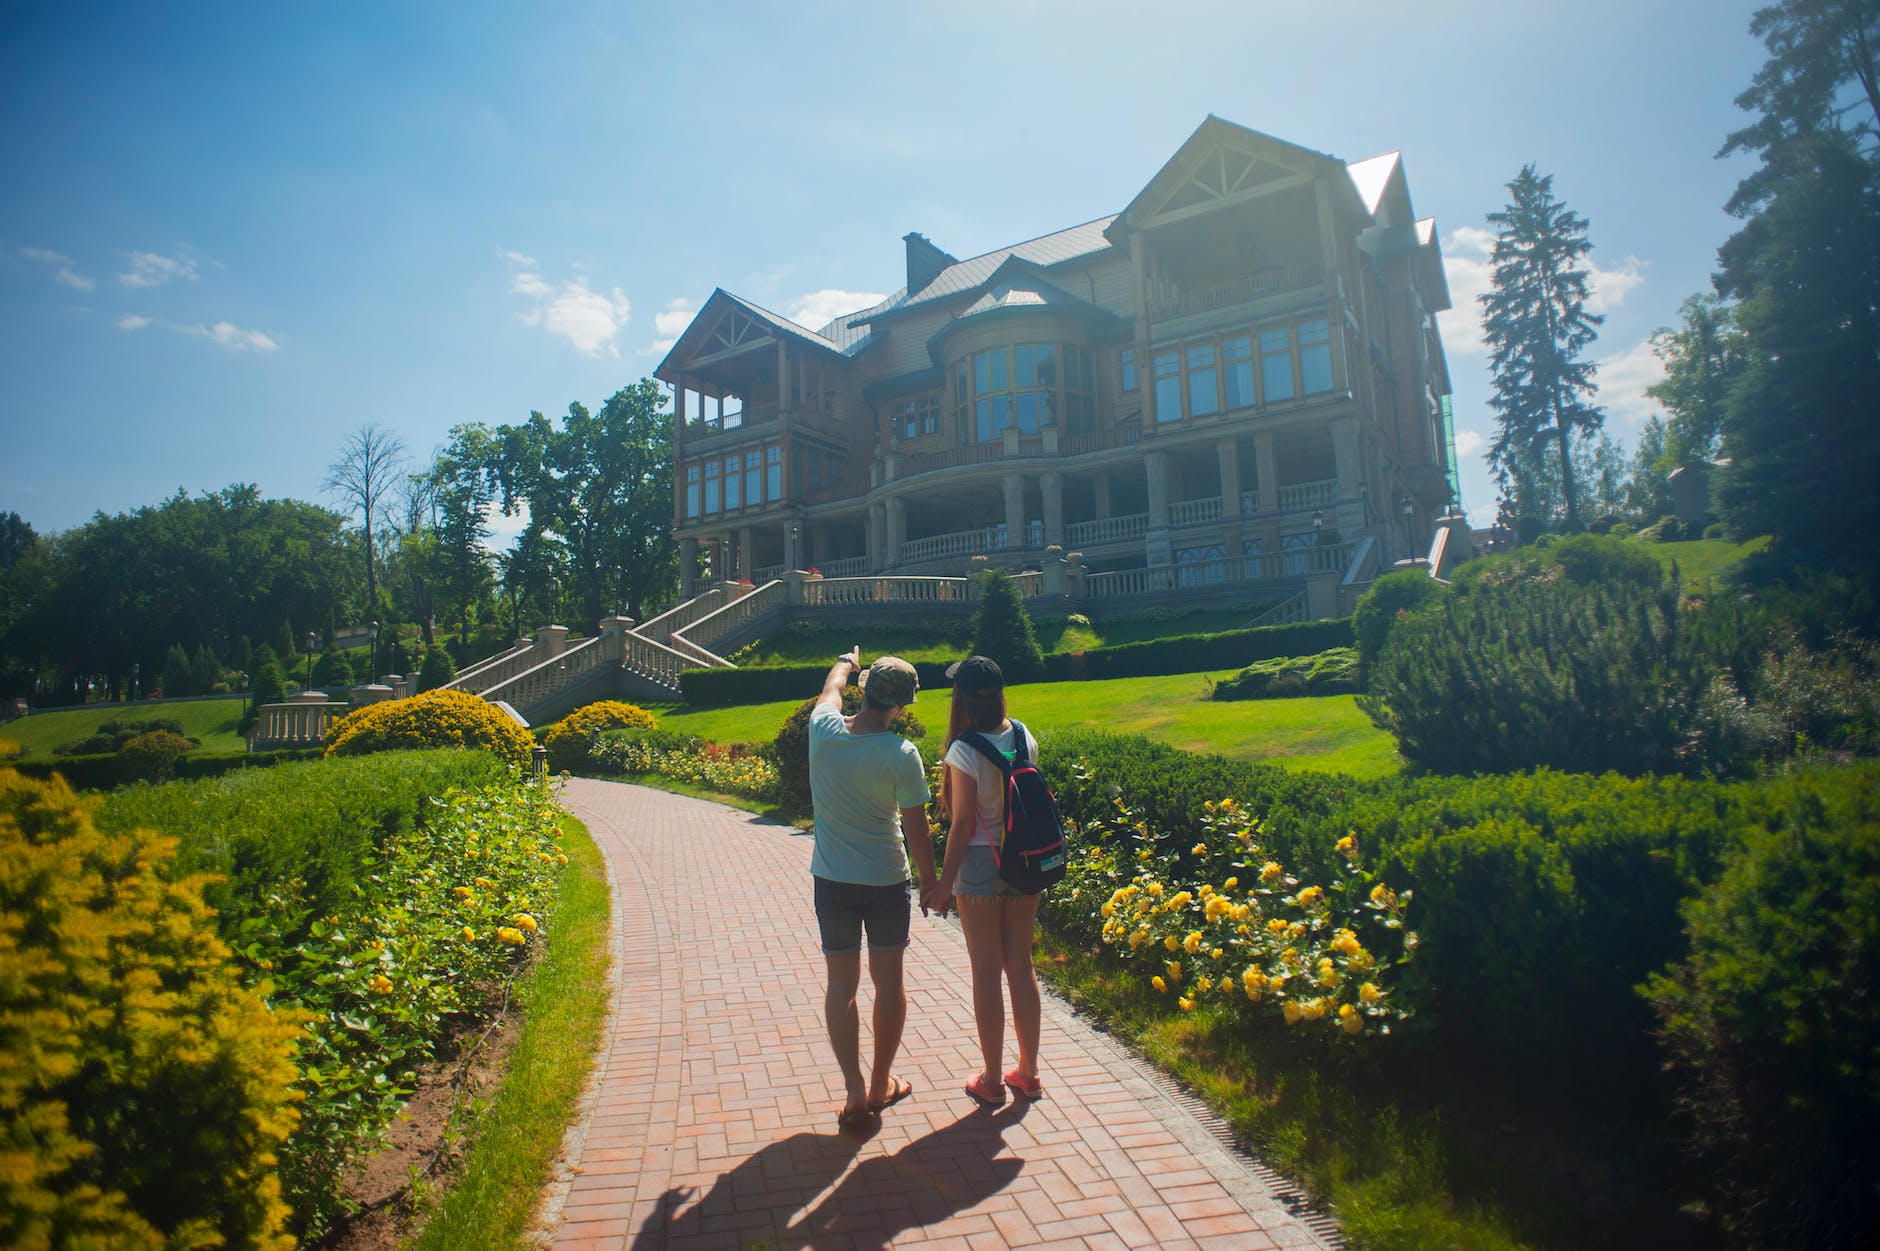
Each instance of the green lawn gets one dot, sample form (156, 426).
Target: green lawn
(804, 644)
(1327, 733)
(212, 720)
(1700, 560)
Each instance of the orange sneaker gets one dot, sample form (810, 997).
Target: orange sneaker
(988, 1094)
(1024, 1087)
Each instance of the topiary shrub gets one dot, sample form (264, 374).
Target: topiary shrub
(1405, 591)
(265, 686)
(1332, 672)
(791, 746)
(333, 668)
(433, 719)
(1667, 529)
(1002, 628)
(1770, 1025)
(569, 739)
(151, 757)
(438, 668)
(144, 1092)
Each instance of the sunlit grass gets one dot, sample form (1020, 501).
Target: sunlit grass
(515, 1140)
(214, 721)
(1325, 733)
(1701, 560)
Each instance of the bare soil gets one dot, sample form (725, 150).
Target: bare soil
(423, 1141)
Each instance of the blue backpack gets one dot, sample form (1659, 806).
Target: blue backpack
(1032, 854)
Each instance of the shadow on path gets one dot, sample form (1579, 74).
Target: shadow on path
(930, 1179)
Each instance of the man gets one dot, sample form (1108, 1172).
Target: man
(867, 786)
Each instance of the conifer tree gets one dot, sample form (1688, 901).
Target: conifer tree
(1537, 326)
(1002, 628)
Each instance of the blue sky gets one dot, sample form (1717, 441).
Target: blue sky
(230, 234)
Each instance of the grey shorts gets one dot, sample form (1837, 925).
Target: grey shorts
(979, 874)
(844, 909)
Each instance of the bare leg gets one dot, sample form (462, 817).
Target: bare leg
(845, 1026)
(885, 971)
(1019, 925)
(980, 921)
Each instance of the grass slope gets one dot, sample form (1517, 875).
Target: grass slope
(211, 720)
(805, 644)
(1328, 733)
(1699, 561)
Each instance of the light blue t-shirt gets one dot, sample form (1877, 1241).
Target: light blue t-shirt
(858, 785)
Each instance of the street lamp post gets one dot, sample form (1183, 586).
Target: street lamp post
(619, 587)
(373, 664)
(311, 640)
(554, 599)
(136, 669)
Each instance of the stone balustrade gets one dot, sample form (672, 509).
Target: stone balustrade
(734, 618)
(847, 592)
(958, 543)
(1194, 512)
(536, 684)
(300, 722)
(1106, 530)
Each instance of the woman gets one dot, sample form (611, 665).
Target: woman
(999, 923)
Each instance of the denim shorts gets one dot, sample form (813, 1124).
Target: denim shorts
(844, 909)
(979, 874)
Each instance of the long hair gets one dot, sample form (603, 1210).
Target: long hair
(984, 713)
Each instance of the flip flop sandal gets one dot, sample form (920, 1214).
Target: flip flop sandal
(1027, 1088)
(987, 1094)
(898, 1089)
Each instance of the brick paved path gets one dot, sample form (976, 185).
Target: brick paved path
(710, 1119)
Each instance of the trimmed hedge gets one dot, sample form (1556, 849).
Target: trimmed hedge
(1331, 672)
(725, 688)
(1186, 653)
(1198, 653)
(103, 773)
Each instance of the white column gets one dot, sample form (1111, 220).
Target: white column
(1053, 487)
(1014, 510)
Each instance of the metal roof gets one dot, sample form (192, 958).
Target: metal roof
(1372, 176)
(1046, 250)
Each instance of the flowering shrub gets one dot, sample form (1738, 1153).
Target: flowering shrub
(434, 719)
(569, 739)
(152, 756)
(1224, 923)
(448, 910)
(730, 770)
(144, 1092)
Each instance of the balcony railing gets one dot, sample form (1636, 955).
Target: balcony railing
(847, 567)
(1303, 495)
(1230, 570)
(1194, 512)
(1081, 534)
(959, 543)
(1170, 301)
(849, 592)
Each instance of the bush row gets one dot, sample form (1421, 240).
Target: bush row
(1333, 671)
(1187, 653)
(1545, 901)
(104, 772)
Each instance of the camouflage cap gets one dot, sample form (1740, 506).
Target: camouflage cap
(891, 681)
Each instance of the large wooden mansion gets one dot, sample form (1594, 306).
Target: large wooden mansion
(1236, 380)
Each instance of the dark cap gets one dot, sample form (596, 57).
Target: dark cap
(891, 681)
(976, 675)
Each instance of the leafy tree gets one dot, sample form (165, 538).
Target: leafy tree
(1647, 491)
(599, 487)
(1002, 628)
(463, 487)
(371, 462)
(1537, 326)
(1703, 357)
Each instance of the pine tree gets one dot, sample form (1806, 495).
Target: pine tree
(1002, 628)
(1537, 326)
(176, 672)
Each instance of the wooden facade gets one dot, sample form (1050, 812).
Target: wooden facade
(1241, 365)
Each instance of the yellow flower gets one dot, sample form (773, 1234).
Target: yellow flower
(1270, 871)
(1192, 943)
(467, 934)
(380, 985)
(1370, 993)
(1107, 911)
(1142, 854)
(1345, 943)
(1203, 985)
(523, 921)
(1276, 927)
(1188, 1005)
(484, 882)
(1347, 846)
(1155, 890)
(1199, 849)
(1310, 896)
(1291, 1012)
(560, 859)
(462, 892)
(1253, 981)
(1205, 890)
(1349, 1020)
(1314, 1009)
(1218, 907)
(1174, 968)
(513, 937)
(1172, 943)
(1383, 896)
(1181, 900)
(1160, 985)
(1215, 954)
(1230, 883)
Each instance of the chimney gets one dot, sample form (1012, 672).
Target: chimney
(924, 261)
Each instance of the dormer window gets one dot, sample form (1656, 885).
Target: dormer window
(1030, 386)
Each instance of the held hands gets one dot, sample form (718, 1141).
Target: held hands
(937, 899)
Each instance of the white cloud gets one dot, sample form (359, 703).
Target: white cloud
(1465, 265)
(149, 269)
(131, 321)
(503, 531)
(818, 308)
(227, 334)
(671, 323)
(63, 268)
(1469, 442)
(1609, 287)
(1622, 380)
(589, 320)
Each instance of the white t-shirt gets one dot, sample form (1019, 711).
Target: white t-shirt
(858, 784)
(990, 824)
